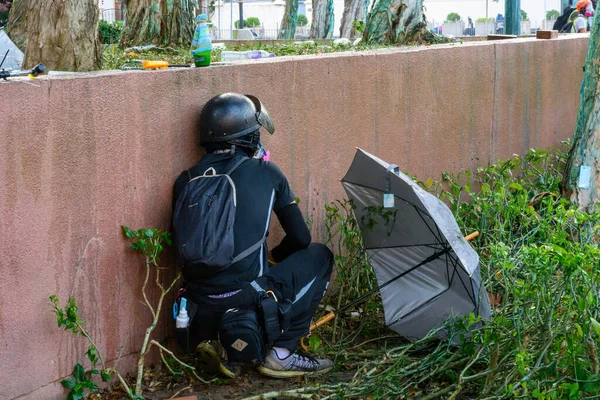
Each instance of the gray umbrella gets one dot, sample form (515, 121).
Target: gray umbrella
(426, 269)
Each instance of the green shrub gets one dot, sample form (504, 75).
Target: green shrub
(110, 33)
(251, 22)
(302, 20)
(248, 23)
(453, 17)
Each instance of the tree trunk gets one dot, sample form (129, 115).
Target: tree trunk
(585, 149)
(178, 22)
(143, 20)
(61, 34)
(395, 22)
(17, 25)
(322, 19)
(159, 22)
(354, 10)
(288, 23)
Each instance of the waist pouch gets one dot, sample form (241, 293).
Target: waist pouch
(241, 335)
(245, 334)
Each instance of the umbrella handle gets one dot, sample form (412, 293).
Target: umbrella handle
(323, 320)
(472, 236)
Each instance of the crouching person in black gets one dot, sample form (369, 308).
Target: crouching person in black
(228, 280)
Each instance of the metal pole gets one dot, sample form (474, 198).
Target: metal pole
(512, 17)
(241, 4)
(231, 18)
(487, 29)
(219, 4)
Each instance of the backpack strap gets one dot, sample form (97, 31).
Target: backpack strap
(240, 162)
(236, 165)
(258, 244)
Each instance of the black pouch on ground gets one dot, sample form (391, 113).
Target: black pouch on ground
(242, 337)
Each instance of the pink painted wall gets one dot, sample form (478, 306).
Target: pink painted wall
(80, 156)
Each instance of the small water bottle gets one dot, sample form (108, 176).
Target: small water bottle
(202, 43)
(254, 54)
(244, 55)
(183, 319)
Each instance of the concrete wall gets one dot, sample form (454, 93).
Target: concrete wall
(80, 156)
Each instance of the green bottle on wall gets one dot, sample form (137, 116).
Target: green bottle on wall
(201, 44)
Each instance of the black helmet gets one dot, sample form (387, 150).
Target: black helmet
(230, 116)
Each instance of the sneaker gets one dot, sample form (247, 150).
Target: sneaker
(210, 361)
(296, 364)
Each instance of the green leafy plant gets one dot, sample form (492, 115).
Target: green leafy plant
(524, 16)
(80, 381)
(484, 19)
(110, 33)
(252, 22)
(453, 17)
(539, 262)
(301, 20)
(150, 243)
(353, 274)
(68, 319)
(359, 26)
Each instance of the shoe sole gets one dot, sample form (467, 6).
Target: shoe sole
(290, 374)
(211, 362)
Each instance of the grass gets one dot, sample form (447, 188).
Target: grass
(114, 57)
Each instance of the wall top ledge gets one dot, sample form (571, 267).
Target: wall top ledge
(301, 58)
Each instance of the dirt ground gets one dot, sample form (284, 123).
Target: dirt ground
(159, 386)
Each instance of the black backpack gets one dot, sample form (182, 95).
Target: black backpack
(562, 23)
(203, 220)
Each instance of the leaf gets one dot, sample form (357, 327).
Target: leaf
(314, 342)
(135, 246)
(105, 376)
(595, 325)
(579, 330)
(516, 186)
(149, 233)
(75, 395)
(128, 232)
(90, 385)
(167, 238)
(69, 383)
(79, 372)
(91, 353)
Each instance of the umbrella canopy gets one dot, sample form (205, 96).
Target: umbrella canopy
(429, 270)
(14, 59)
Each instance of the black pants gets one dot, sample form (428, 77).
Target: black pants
(301, 278)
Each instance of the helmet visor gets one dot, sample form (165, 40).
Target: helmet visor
(262, 115)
